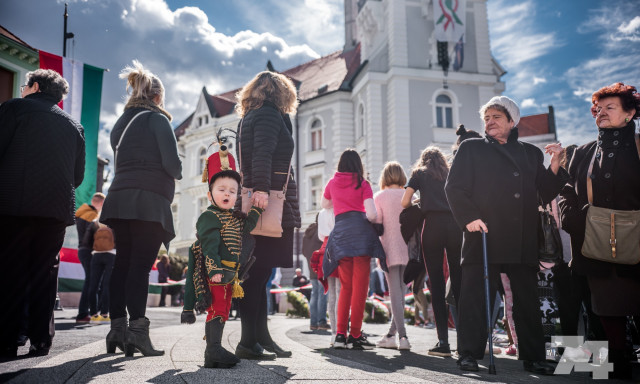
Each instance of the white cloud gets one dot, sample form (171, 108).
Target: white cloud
(527, 103)
(539, 80)
(630, 27)
(300, 22)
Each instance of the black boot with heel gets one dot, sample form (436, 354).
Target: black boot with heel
(116, 336)
(137, 338)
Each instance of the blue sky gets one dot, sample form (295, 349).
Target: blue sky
(555, 52)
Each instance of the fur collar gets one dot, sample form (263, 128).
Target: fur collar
(147, 104)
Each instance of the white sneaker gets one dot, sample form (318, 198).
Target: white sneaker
(387, 342)
(403, 344)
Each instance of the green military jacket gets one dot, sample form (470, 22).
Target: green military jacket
(219, 244)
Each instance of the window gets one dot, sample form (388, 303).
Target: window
(444, 112)
(315, 202)
(206, 120)
(174, 213)
(200, 121)
(202, 161)
(360, 122)
(203, 203)
(316, 135)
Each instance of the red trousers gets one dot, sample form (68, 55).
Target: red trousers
(354, 281)
(221, 295)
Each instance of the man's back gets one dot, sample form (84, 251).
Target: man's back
(41, 159)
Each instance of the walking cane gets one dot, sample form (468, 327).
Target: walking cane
(492, 366)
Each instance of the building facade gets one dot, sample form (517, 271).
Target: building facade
(384, 94)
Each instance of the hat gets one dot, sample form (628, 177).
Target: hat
(508, 104)
(218, 164)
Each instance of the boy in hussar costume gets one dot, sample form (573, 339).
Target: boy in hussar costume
(214, 259)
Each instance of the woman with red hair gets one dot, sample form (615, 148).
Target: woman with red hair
(613, 162)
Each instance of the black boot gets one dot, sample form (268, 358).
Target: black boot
(137, 338)
(116, 336)
(215, 356)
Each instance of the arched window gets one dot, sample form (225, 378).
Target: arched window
(316, 135)
(360, 122)
(202, 160)
(444, 111)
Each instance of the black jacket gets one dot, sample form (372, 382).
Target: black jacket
(499, 184)
(42, 159)
(266, 146)
(616, 185)
(148, 156)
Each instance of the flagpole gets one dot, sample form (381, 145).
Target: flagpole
(66, 35)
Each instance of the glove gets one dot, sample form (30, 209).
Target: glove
(187, 317)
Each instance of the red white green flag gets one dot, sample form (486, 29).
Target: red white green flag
(83, 104)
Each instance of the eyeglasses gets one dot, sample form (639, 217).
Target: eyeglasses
(22, 87)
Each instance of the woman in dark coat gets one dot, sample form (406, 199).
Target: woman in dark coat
(615, 288)
(138, 207)
(265, 151)
(440, 234)
(493, 185)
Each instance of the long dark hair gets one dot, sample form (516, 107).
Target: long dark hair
(433, 163)
(350, 162)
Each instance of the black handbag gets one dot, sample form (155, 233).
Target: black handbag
(549, 242)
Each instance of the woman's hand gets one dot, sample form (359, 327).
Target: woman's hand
(187, 317)
(260, 199)
(555, 150)
(477, 225)
(216, 278)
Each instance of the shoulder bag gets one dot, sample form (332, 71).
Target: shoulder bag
(611, 235)
(549, 242)
(270, 222)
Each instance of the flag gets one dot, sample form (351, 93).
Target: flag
(450, 19)
(458, 53)
(83, 104)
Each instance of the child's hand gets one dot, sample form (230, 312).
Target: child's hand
(217, 278)
(187, 317)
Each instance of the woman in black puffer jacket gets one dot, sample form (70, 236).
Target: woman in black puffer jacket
(265, 151)
(138, 206)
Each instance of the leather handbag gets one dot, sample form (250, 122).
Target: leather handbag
(270, 222)
(549, 242)
(611, 235)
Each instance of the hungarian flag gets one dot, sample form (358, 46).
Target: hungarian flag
(83, 104)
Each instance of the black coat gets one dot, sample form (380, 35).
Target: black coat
(619, 190)
(499, 184)
(42, 159)
(266, 145)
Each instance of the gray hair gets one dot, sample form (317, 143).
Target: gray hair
(144, 84)
(50, 83)
(498, 107)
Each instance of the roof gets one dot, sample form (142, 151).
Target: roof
(533, 125)
(315, 78)
(5, 32)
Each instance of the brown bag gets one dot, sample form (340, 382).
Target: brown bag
(103, 239)
(270, 222)
(611, 235)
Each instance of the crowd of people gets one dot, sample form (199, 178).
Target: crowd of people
(490, 189)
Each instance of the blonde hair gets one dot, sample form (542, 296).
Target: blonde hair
(433, 162)
(271, 86)
(143, 84)
(393, 173)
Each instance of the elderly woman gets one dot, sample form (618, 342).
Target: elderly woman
(493, 186)
(615, 175)
(265, 151)
(138, 207)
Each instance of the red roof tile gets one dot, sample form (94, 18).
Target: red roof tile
(533, 125)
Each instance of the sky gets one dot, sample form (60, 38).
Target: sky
(555, 53)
